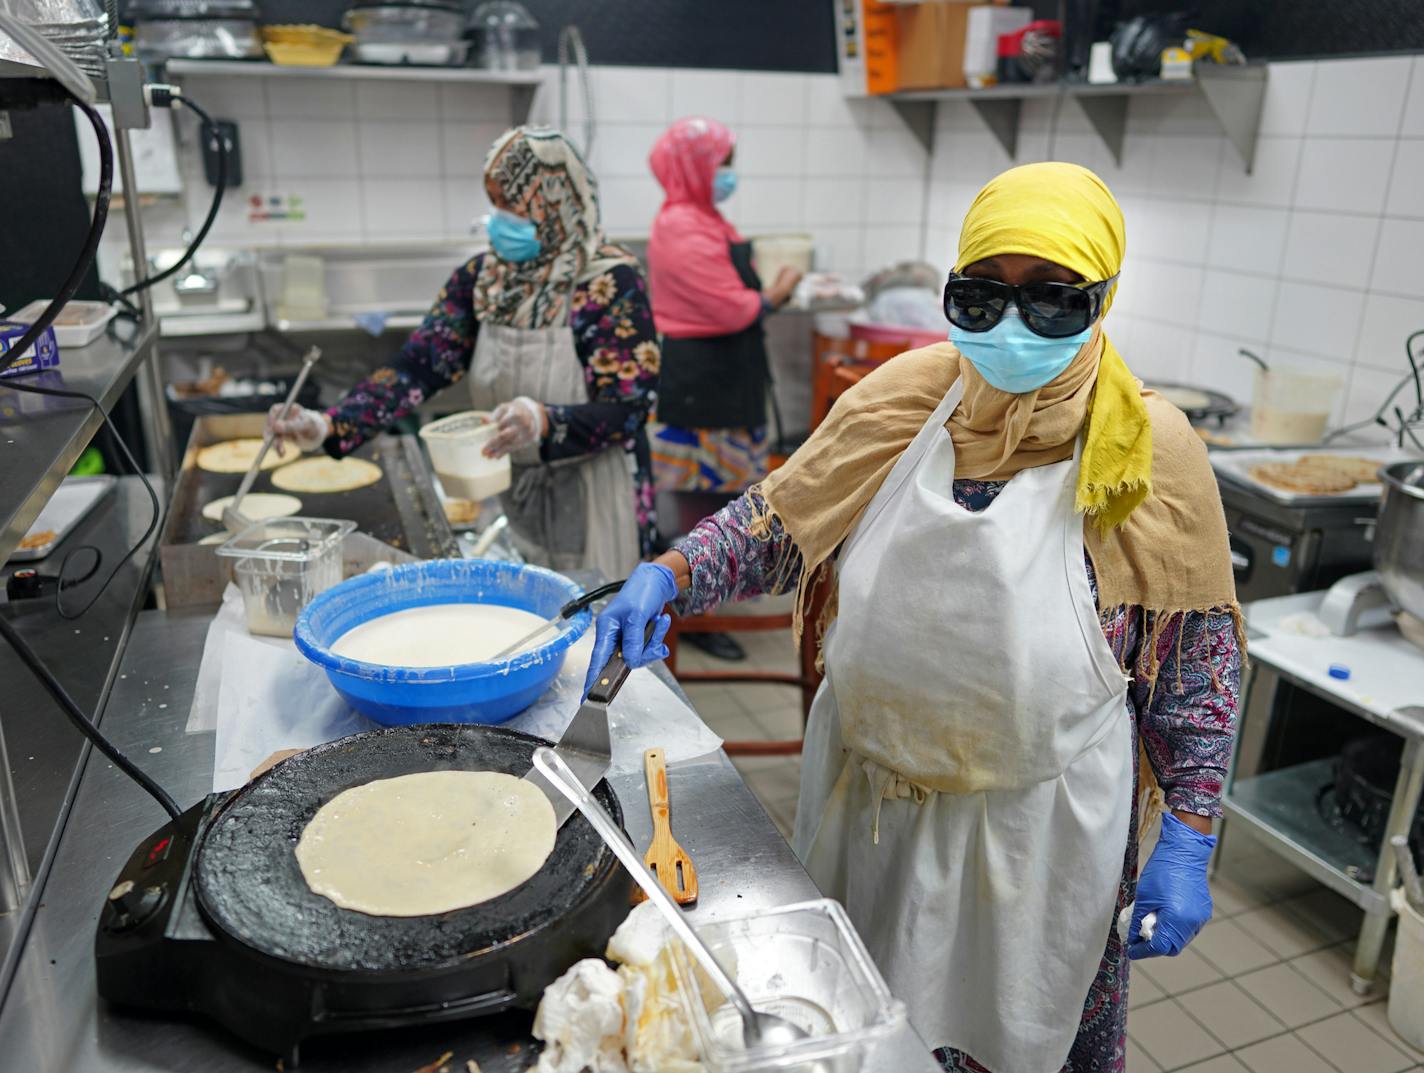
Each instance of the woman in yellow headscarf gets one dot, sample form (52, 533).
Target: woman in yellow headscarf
(1030, 576)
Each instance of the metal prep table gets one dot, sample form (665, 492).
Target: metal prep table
(53, 1021)
(1279, 808)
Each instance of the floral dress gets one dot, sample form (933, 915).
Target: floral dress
(615, 341)
(1185, 717)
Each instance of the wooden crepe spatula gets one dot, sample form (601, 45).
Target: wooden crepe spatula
(665, 858)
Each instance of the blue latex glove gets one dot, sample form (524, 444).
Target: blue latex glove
(1173, 885)
(649, 588)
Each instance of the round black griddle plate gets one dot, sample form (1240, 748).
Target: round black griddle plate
(1219, 406)
(251, 889)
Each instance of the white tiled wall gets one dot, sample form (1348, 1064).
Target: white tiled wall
(379, 161)
(1315, 260)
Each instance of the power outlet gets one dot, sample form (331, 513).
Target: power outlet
(227, 132)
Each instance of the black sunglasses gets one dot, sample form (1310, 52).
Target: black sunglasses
(1054, 310)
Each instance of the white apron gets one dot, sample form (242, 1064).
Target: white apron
(967, 781)
(575, 513)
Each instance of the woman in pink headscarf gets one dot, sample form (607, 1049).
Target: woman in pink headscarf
(708, 303)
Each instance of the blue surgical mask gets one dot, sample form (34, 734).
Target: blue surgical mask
(724, 184)
(513, 237)
(1014, 359)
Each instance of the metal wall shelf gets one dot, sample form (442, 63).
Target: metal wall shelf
(1234, 94)
(393, 73)
(41, 437)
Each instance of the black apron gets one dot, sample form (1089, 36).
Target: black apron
(719, 381)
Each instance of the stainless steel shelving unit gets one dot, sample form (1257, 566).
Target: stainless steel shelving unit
(1234, 94)
(40, 439)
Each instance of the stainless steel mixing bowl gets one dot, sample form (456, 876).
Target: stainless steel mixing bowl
(1399, 535)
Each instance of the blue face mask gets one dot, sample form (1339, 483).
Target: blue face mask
(1014, 359)
(724, 184)
(513, 237)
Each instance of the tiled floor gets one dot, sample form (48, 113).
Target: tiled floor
(1265, 988)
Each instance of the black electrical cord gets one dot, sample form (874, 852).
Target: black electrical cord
(211, 130)
(83, 725)
(90, 248)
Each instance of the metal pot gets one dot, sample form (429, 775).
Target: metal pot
(1399, 536)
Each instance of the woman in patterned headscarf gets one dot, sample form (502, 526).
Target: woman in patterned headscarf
(553, 328)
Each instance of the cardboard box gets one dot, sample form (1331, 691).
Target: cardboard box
(931, 38)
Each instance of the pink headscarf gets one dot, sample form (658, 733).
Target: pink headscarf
(695, 289)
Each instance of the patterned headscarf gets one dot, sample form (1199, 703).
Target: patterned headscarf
(543, 179)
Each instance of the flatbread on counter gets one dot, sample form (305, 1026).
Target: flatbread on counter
(1361, 470)
(427, 843)
(324, 475)
(256, 506)
(235, 456)
(1302, 480)
(1184, 398)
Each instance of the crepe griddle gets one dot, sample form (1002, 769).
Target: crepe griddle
(211, 913)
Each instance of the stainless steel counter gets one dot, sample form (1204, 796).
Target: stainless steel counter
(52, 1020)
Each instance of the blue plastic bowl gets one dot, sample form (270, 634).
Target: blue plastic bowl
(465, 693)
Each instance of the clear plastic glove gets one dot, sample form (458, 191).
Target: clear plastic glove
(518, 423)
(308, 429)
(649, 588)
(1173, 885)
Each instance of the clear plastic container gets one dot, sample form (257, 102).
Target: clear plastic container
(456, 445)
(404, 24)
(1292, 408)
(803, 962)
(505, 35)
(282, 563)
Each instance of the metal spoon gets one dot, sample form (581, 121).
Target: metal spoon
(758, 1029)
(232, 517)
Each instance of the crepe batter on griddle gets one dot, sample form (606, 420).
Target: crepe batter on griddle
(427, 843)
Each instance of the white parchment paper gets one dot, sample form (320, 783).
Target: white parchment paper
(261, 695)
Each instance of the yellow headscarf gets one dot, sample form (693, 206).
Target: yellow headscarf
(1159, 542)
(1065, 214)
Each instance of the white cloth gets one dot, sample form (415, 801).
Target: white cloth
(589, 497)
(967, 782)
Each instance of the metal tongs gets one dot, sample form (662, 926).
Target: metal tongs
(234, 521)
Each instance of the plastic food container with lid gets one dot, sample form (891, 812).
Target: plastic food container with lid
(281, 564)
(803, 962)
(456, 445)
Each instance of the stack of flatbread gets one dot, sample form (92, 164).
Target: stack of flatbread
(1317, 474)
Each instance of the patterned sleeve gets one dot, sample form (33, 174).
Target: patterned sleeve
(436, 355)
(1187, 719)
(618, 346)
(729, 563)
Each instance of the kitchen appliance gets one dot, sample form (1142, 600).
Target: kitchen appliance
(419, 33)
(1399, 539)
(211, 914)
(195, 30)
(1211, 406)
(505, 37)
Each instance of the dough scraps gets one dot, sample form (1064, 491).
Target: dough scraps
(256, 506)
(317, 475)
(235, 456)
(427, 843)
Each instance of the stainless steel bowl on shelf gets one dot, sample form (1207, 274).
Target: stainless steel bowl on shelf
(1399, 536)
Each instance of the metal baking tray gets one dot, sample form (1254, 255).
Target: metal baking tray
(401, 509)
(72, 500)
(1235, 466)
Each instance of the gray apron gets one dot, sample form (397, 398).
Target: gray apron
(575, 513)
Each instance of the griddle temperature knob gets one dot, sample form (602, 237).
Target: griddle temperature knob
(130, 904)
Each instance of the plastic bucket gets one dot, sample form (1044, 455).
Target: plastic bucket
(1406, 988)
(772, 253)
(1292, 408)
(456, 444)
(463, 693)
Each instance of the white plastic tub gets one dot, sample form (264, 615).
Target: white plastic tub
(1406, 988)
(78, 323)
(1290, 407)
(456, 444)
